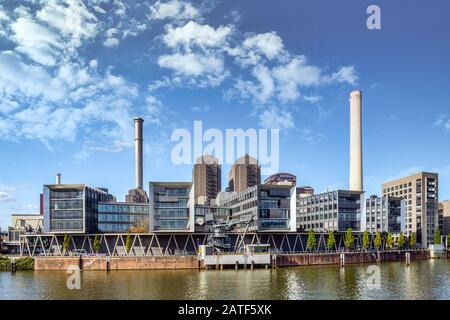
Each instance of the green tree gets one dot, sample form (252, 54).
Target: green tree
(331, 241)
(389, 241)
(96, 244)
(412, 240)
(401, 240)
(378, 241)
(366, 240)
(349, 240)
(311, 243)
(437, 237)
(65, 243)
(128, 243)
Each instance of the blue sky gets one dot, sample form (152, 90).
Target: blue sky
(74, 74)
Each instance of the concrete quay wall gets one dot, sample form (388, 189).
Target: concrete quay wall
(287, 260)
(117, 263)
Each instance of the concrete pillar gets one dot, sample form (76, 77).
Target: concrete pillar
(408, 258)
(236, 266)
(252, 265)
(356, 165)
(342, 259)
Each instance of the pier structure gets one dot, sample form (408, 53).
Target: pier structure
(176, 244)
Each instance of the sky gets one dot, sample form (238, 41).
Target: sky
(74, 74)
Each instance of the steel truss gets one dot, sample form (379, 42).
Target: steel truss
(160, 244)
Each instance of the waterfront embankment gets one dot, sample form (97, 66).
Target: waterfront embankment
(288, 260)
(192, 262)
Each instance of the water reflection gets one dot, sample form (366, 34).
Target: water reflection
(428, 279)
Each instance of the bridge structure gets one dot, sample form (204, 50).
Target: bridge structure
(166, 244)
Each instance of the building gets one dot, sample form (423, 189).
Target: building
(330, 211)
(305, 191)
(122, 217)
(244, 173)
(24, 223)
(356, 164)
(385, 214)
(281, 179)
(206, 216)
(72, 208)
(171, 207)
(444, 208)
(262, 208)
(420, 192)
(206, 176)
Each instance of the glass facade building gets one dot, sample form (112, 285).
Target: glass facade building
(121, 217)
(270, 207)
(330, 211)
(72, 208)
(170, 206)
(385, 214)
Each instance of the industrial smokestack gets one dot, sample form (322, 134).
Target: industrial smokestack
(356, 165)
(138, 152)
(58, 178)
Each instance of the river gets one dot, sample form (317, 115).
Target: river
(426, 279)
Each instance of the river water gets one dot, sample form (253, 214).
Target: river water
(427, 279)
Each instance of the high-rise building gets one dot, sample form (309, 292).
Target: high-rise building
(420, 192)
(356, 164)
(244, 173)
(206, 176)
(385, 214)
(444, 208)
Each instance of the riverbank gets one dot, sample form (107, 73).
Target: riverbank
(423, 279)
(192, 262)
(21, 264)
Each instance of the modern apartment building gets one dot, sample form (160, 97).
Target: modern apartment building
(385, 214)
(444, 211)
(171, 207)
(72, 208)
(206, 176)
(420, 192)
(262, 207)
(122, 217)
(330, 211)
(244, 173)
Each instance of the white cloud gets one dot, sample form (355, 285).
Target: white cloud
(71, 18)
(275, 118)
(6, 197)
(345, 74)
(111, 42)
(269, 44)
(35, 41)
(193, 33)
(191, 64)
(28, 80)
(173, 9)
(6, 194)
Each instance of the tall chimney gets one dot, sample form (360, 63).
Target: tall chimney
(138, 152)
(356, 165)
(58, 178)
